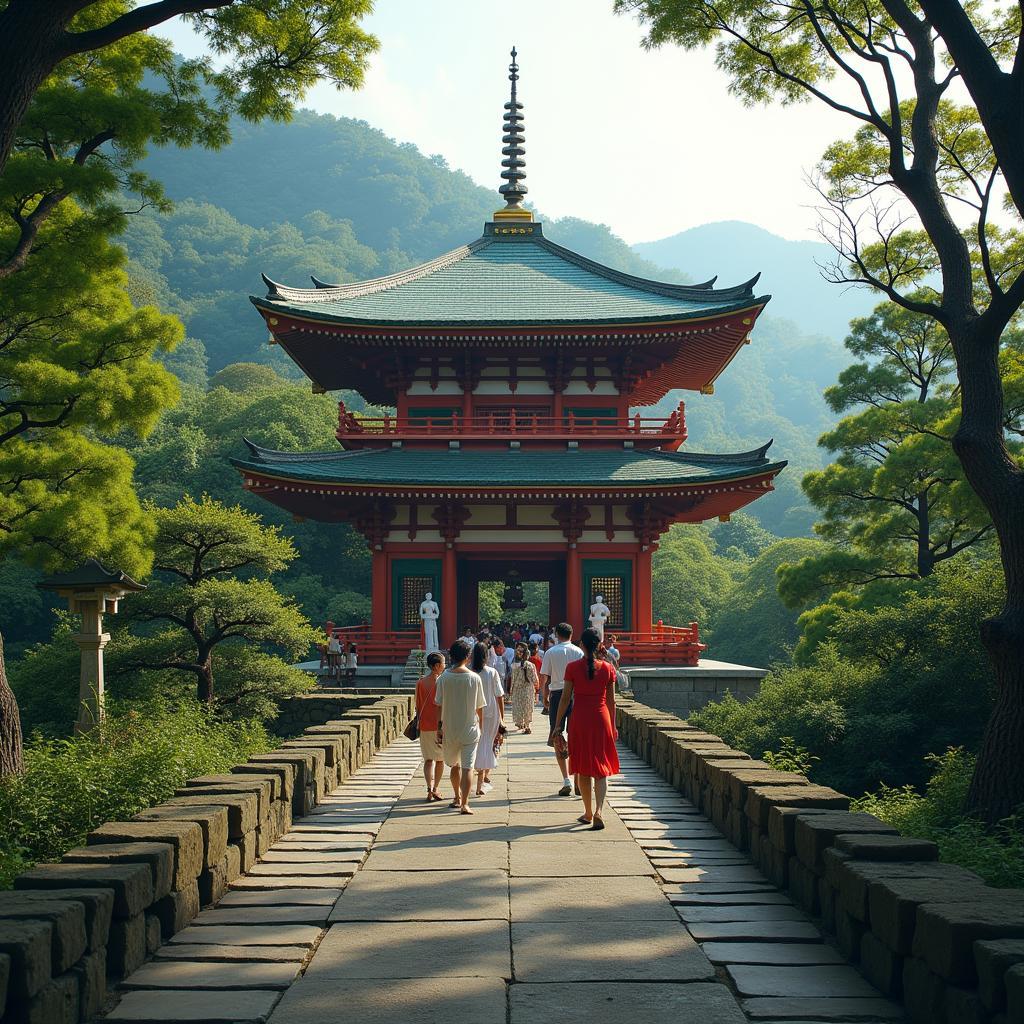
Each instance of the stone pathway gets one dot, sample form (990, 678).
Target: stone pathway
(387, 910)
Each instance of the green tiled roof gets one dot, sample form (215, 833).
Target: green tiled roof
(474, 467)
(518, 279)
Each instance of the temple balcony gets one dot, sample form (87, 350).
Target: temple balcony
(660, 645)
(497, 429)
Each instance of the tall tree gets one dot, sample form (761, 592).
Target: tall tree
(895, 502)
(213, 597)
(274, 50)
(76, 364)
(911, 198)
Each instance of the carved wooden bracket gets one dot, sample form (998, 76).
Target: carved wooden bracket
(572, 517)
(451, 516)
(374, 522)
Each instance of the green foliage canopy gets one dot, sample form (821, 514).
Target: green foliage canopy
(213, 605)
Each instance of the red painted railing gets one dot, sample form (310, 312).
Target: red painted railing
(373, 647)
(520, 424)
(662, 645)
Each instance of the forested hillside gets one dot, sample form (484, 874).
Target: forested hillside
(337, 198)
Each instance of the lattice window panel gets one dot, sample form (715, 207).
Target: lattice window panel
(610, 588)
(413, 590)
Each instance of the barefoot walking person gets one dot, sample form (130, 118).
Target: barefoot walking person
(460, 695)
(427, 709)
(494, 712)
(552, 679)
(590, 691)
(523, 685)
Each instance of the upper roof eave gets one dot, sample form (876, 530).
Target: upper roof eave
(283, 308)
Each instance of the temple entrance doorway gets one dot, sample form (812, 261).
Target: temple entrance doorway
(482, 580)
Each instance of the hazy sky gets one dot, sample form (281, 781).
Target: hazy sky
(650, 143)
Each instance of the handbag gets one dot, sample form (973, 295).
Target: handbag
(412, 730)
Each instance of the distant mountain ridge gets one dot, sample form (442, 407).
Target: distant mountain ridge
(790, 273)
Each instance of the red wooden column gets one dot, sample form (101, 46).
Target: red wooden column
(644, 600)
(379, 599)
(574, 590)
(449, 598)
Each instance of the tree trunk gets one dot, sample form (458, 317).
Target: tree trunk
(11, 762)
(204, 689)
(997, 789)
(29, 50)
(925, 557)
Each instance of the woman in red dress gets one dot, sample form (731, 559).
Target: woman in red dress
(590, 688)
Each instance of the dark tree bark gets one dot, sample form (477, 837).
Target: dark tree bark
(10, 725)
(204, 677)
(997, 789)
(34, 39)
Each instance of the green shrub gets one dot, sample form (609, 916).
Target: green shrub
(144, 753)
(997, 855)
(888, 686)
(790, 757)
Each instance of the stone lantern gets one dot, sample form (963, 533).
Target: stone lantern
(91, 591)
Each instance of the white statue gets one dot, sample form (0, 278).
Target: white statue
(600, 613)
(429, 614)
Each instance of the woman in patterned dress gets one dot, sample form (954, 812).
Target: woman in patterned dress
(523, 682)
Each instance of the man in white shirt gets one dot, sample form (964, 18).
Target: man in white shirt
(552, 680)
(460, 694)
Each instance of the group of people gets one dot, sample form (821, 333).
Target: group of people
(342, 659)
(460, 706)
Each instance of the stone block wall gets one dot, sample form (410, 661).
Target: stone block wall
(682, 689)
(69, 930)
(315, 708)
(930, 934)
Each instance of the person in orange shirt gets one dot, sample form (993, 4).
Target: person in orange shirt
(427, 709)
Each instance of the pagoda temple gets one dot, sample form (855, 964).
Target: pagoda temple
(518, 371)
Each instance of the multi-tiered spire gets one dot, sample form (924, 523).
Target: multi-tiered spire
(514, 190)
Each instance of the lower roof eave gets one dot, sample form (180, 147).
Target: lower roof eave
(257, 479)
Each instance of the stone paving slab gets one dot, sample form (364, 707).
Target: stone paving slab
(270, 882)
(790, 954)
(172, 975)
(423, 814)
(578, 858)
(409, 829)
(415, 1001)
(444, 949)
(832, 982)
(710, 897)
(305, 827)
(182, 1007)
(741, 913)
(607, 951)
(231, 954)
(807, 1010)
(425, 896)
(317, 868)
(438, 852)
(323, 847)
(755, 931)
(542, 827)
(263, 915)
(712, 874)
(289, 897)
(248, 935)
(624, 898)
(615, 1002)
